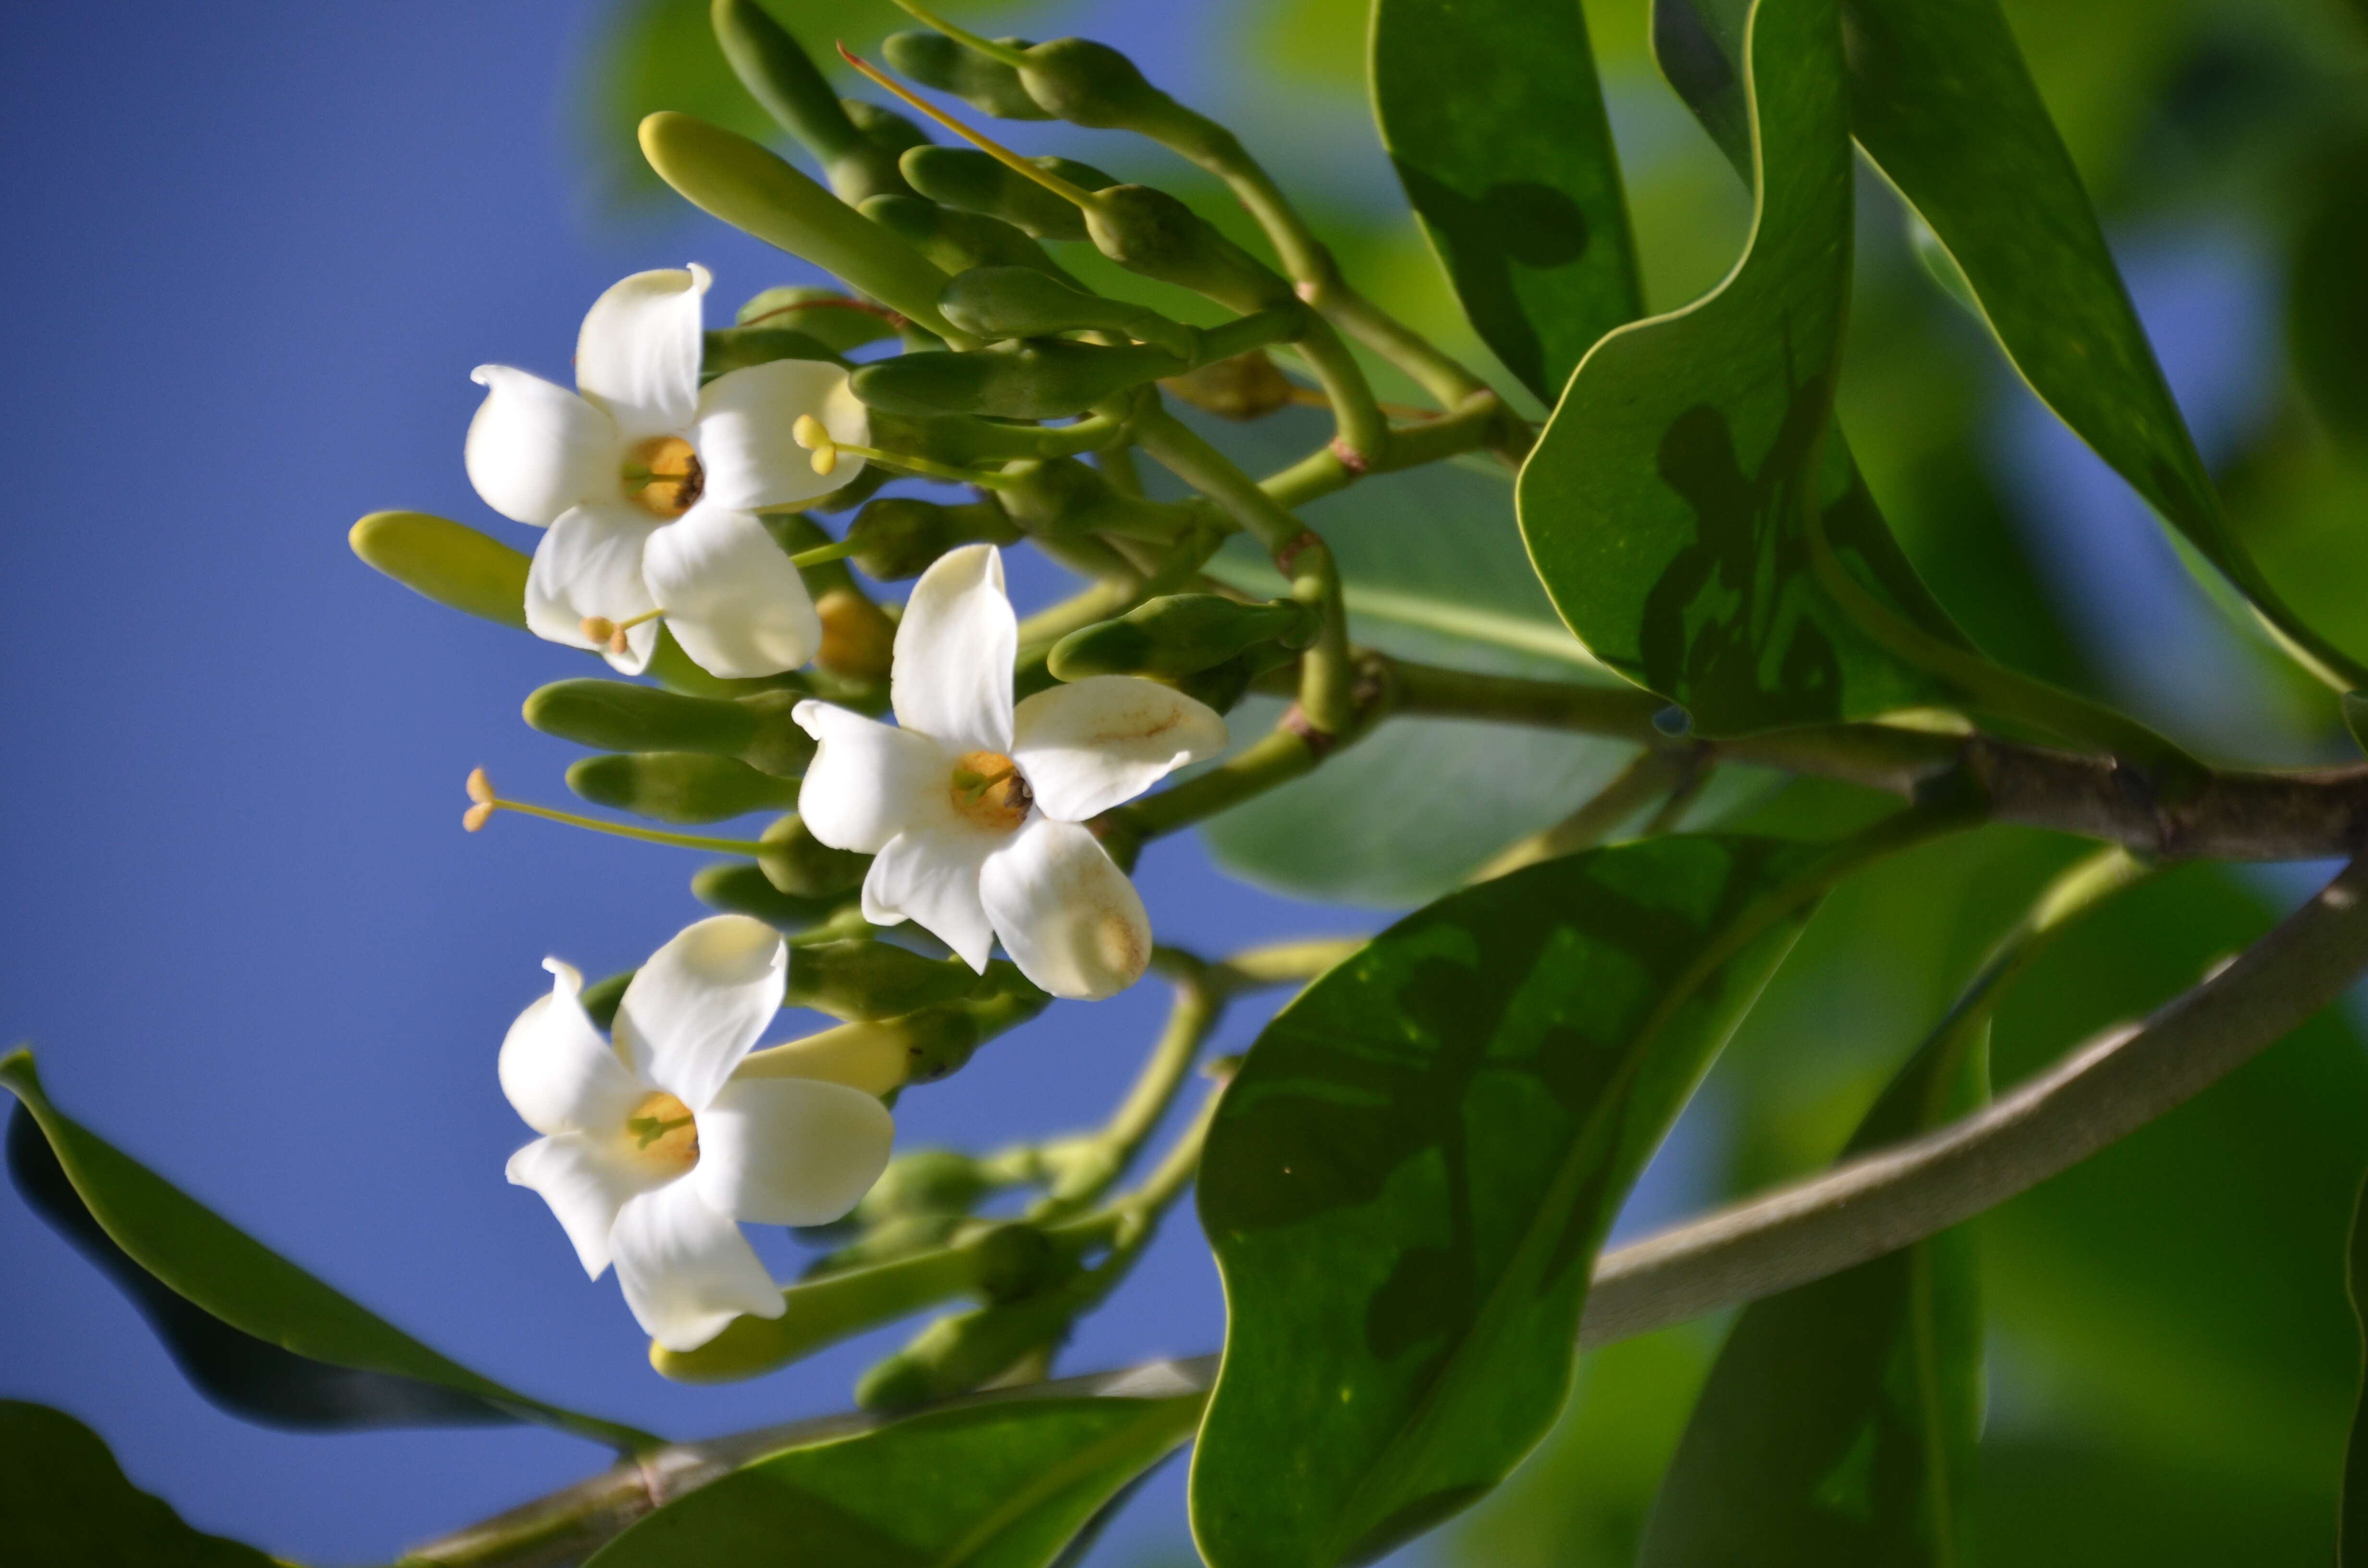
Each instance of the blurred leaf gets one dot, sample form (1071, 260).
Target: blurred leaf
(255, 1333)
(1001, 1485)
(1664, 503)
(1408, 1181)
(661, 54)
(1838, 1427)
(2327, 305)
(2352, 1529)
(1491, 112)
(64, 1501)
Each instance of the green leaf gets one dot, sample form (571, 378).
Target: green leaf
(1943, 102)
(63, 1500)
(1665, 504)
(1838, 1427)
(253, 1331)
(2352, 1530)
(1407, 1183)
(1005, 1485)
(1492, 114)
(2326, 310)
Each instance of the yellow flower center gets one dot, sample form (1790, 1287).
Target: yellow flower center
(663, 477)
(662, 1133)
(987, 789)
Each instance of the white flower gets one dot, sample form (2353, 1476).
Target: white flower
(972, 806)
(652, 1152)
(651, 483)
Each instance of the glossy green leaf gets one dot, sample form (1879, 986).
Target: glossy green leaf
(1665, 503)
(1408, 1181)
(64, 1501)
(2352, 1529)
(996, 1486)
(1838, 1427)
(253, 1331)
(1943, 102)
(1492, 114)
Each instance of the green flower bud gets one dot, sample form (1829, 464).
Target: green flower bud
(1087, 82)
(798, 863)
(1015, 1261)
(1223, 685)
(1062, 497)
(955, 240)
(1178, 636)
(988, 85)
(1246, 387)
(780, 76)
(1152, 234)
(978, 182)
(736, 180)
(615, 715)
(737, 887)
(1003, 302)
(886, 129)
(962, 1351)
(870, 981)
(454, 565)
(829, 317)
(737, 347)
(927, 1181)
(679, 786)
(1047, 378)
(898, 1236)
(898, 536)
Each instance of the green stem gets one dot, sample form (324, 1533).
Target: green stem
(1472, 426)
(1280, 756)
(1653, 772)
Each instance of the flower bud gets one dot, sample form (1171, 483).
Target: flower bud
(1246, 387)
(962, 1351)
(859, 640)
(799, 864)
(1060, 498)
(454, 565)
(1046, 379)
(868, 980)
(737, 347)
(1087, 82)
(927, 1181)
(1178, 635)
(897, 1237)
(979, 182)
(1151, 232)
(780, 76)
(829, 317)
(988, 85)
(679, 786)
(732, 179)
(898, 536)
(885, 129)
(1003, 302)
(735, 887)
(614, 715)
(954, 239)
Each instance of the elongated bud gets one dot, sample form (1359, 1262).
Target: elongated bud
(614, 715)
(898, 536)
(870, 981)
(780, 76)
(798, 863)
(737, 347)
(885, 129)
(977, 182)
(954, 239)
(838, 321)
(1151, 232)
(988, 85)
(1042, 379)
(1087, 82)
(1063, 496)
(679, 786)
(964, 1351)
(898, 1236)
(859, 640)
(927, 1181)
(1002, 303)
(736, 887)
(455, 565)
(1178, 635)
(738, 181)
(1246, 387)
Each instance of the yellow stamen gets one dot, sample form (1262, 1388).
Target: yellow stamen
(989, 790)
(663, 477)
(481, 790)
(1073, 194)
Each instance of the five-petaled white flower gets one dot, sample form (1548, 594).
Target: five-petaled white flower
(650, 485)
(972, 806)
(654, 1150)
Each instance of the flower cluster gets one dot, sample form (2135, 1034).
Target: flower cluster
(973, 808)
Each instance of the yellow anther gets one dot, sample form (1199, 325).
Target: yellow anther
(664, 478)
(596, 629)
(988, 789)
(481, 791)
(810, 433)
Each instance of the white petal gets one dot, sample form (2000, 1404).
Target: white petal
(585, 1184)
(743, 433)
(535, 450)
(638, 353)
(732, 598)
(1093, 744)
(590, 563)
(1066, 914)
(559, 1074)
(929, 876)
(867, 779)
(952, 679)
(701, 1001)
(790, 1150)
(687, 1270)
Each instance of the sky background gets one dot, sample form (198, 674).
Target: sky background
(258, 249)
